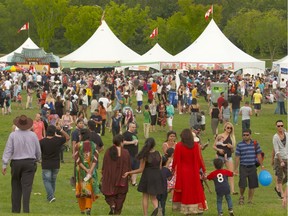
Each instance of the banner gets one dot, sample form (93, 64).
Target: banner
(207, 66)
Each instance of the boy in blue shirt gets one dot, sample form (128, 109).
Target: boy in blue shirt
(222, 188)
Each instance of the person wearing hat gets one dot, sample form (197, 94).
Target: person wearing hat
(23, 151)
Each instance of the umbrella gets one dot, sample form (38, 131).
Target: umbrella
(13, 68)
(157, 74)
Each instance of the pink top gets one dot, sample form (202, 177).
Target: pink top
(38, 127)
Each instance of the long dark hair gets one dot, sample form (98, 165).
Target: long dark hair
(187, 138)
(148, 145)
(117, 140)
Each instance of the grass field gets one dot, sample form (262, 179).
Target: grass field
(266, 201)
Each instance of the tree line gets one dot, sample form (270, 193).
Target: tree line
(258, 27)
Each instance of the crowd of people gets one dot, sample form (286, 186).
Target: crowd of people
(76, 109)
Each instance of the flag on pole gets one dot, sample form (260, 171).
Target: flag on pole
(210, 11)
(24, 27)
(154, 33)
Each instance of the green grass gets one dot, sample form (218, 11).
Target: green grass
(266, 200)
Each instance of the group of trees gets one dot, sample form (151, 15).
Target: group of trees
(259, 27)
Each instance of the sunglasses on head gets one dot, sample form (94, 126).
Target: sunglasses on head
(245, 134)
(280, 125)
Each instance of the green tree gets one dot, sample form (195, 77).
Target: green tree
(80, 23)
(241, 30)
(271, 33)
(128, 24)
(48, 15)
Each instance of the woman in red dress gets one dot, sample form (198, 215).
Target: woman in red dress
(188, 195)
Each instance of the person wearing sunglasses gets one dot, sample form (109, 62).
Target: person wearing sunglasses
(280, 152)
(228, 148)
(245, 157)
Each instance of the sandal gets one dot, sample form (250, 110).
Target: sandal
(241, 200)
(235, 193)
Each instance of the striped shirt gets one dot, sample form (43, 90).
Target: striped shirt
(247, 152)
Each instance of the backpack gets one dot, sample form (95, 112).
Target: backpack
(262, 153)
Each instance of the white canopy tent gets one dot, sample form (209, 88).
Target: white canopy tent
(281, 66)
(156, 58)
(213, 51)
(29, 44)
(102, 49)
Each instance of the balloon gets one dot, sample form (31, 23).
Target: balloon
(265, 178)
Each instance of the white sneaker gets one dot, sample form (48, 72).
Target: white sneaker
(52, 200)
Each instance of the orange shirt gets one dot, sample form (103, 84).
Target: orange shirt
(154, 87)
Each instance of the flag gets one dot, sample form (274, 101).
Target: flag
(210, 11)
(154, 33)
(24, 27)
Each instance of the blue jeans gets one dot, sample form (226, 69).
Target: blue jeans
(245, 124)
(235, 113)
(49, 179)
(219, 202)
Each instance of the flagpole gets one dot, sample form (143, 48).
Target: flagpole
(28, 29)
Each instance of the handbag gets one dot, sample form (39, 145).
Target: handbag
(262, 154)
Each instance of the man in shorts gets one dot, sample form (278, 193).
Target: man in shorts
(131, 144)
(245, 156)
(280, 147)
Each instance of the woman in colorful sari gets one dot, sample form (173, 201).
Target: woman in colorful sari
(87, 187)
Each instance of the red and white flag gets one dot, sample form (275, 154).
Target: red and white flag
(154, 33)
(210, 11)
(24, 27)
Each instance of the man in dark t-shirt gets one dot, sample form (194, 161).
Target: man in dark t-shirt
(51, 148)
(96, 117)
(235, 101)
(131, 144)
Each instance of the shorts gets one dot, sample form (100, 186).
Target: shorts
(84, 106)
(170, 121)
(223, 159)
(257, 106)
(153, 119)
(249, 172)
(135, 163)
(280, 172)
(139, 103)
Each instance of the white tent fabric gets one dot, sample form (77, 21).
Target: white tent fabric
(153, 58)
(213, 47)
(29, 44)
(102, 49)
(281, 66)
(282, 62)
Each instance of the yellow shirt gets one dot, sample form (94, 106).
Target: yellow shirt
(194, 93)
(257, 98)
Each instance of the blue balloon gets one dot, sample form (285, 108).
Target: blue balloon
(265, 178)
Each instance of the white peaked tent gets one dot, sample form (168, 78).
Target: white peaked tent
(282, 62)
(153, 58)
(29, 44)
(102, 49)
(212, 50)
(281, 66)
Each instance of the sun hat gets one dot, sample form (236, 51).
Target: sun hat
(23, 122)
